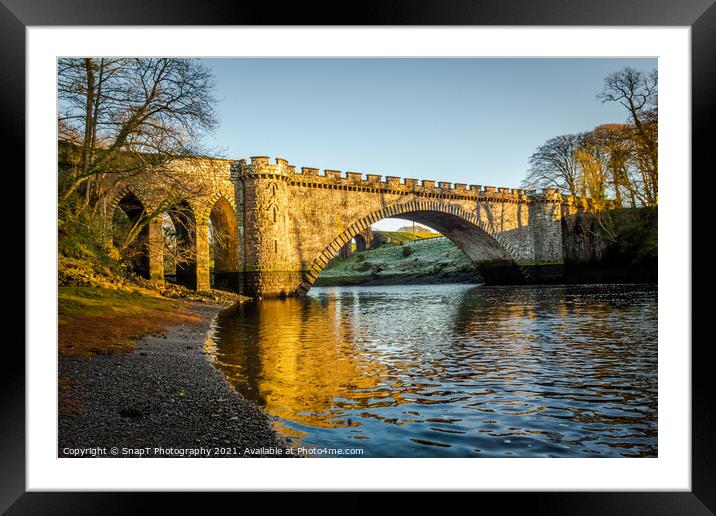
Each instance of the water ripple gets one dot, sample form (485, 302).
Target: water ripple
(564, 371)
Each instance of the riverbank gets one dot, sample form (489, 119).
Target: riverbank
(149, 394)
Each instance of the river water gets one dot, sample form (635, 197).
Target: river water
(452, 370)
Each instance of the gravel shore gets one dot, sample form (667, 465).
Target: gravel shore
(163, 399)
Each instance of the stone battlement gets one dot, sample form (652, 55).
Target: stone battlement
(285, 224)
(309, 176)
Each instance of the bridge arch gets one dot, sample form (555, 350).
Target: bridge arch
(477, 239)
(221, 218)
(121, 194)
(181, 242)
(204, 214)
(128, 231)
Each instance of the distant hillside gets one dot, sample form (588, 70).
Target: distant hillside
(399, 237)
(418, 229)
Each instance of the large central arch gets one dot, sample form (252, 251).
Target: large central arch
(475, 238)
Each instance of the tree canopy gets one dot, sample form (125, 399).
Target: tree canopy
(613, 162)
(126, 115)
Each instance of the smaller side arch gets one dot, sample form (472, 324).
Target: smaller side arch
(223, 244)
(132, 237)
(204, 213)
(185, 242)
(120, 194)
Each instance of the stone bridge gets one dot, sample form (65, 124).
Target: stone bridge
(282, 226)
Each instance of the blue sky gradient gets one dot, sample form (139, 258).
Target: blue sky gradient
(474, 121)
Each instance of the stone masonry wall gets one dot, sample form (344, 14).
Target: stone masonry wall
(324, 211)
(198, 184)
(289, 223)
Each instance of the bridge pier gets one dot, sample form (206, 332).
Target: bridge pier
(155, 244)
(203, 280)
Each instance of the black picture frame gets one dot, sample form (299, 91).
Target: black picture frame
(700, 15)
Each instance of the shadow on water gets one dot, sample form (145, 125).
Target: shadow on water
(453, 370)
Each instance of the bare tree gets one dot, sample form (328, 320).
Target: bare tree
(554, 165)
(179, 232)
(638, 93)
(602, 165)
(129, 116)
(614, 162)
(124, 117)
(130, 235)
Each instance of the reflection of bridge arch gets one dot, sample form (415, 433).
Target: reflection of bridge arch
(465, 229)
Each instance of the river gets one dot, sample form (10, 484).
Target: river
(452, 370)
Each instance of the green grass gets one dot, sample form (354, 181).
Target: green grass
(100, 321)
(427, 257)
(401, 237)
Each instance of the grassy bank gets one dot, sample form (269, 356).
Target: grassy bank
(98, 321)
(431, 259)
(104, 306)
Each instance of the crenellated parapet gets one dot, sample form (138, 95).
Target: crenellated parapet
(260, 167)
(279, 225)
(310, 177)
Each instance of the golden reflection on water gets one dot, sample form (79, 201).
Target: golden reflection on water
(272, 365)
(454, 370)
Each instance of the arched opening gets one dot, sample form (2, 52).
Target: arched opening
(169, 248)
(493, 258)
(130, 233)
(179, 229)
(360, 243)
(346, 251)
(472, 239)
(223, 244)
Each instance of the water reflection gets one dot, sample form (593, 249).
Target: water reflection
(453, 370)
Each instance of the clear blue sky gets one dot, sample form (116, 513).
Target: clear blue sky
(474, 121)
